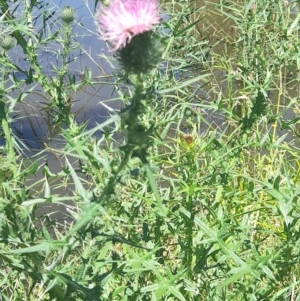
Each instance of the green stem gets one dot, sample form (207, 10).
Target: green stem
(64, 68)
(189, 233)
(9, 145)
(136, 106)
(5, 124)
(132, 121)
(109, 188)
(28, 49)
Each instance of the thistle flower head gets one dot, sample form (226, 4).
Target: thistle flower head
(68, 14)
(123, 19)
(6, 42)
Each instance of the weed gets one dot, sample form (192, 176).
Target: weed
(189, 190)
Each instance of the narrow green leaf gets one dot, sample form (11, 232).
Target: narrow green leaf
(183, 84)
(43, 247)
(79, 187)
(175, 292)
(150, 177)
(85, 217)
(237, 274)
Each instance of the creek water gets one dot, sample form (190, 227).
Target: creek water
(33, 123)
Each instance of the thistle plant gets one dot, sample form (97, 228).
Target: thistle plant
(68, 15)
(6, 43)
(31, 39)
(127, 27)
(189, 192)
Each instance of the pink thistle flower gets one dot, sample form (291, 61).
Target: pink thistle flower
(124, 19)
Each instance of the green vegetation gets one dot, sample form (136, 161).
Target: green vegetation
(191, 194)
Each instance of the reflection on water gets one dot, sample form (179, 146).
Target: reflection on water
(222, 33)
(33, 121)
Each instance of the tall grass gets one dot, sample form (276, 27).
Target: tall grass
(192, 195)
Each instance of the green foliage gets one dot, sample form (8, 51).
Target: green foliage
(192, 190)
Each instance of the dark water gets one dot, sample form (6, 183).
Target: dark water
(35, 135)
(32, 122)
